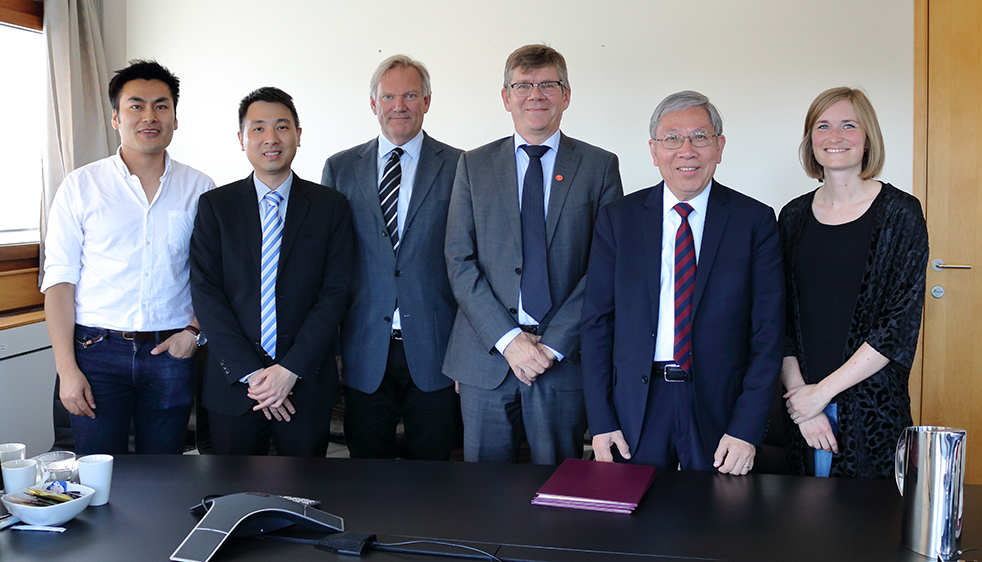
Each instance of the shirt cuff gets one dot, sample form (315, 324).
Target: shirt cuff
(506, 339)
(559, 356)
(245, 379)
(55, 274)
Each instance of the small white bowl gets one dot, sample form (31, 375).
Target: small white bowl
(50, 514)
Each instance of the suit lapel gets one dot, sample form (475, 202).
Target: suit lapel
(651, 232)
(717, 214)
(567, 160)
(366, 174)
(507, 180)
(427, 170)
(248, 205)
(296, 211)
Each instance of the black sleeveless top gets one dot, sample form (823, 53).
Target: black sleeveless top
(829, 268)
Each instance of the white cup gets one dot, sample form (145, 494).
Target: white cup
(96, 472)
(19, 474)
(12, 452)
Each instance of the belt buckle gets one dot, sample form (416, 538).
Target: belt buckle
(397, 335)
(128, 336)
(674, 373)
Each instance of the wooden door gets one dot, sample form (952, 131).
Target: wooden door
(951, 392)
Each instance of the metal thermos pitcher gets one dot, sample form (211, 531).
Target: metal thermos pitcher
(930, 472)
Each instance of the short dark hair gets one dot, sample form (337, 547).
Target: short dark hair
(143, 69)
(531, 57)
(268, 94)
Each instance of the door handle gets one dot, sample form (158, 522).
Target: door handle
(939, 265)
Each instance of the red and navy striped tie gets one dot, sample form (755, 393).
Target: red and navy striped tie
(685, 280)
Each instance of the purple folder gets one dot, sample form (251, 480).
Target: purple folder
(597, 486)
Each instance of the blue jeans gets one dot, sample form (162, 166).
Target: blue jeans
(823, 459)
(154, 391)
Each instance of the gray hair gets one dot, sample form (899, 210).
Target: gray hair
(681, 101)
(400, 61)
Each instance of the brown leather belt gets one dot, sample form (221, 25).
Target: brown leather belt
(144, 336)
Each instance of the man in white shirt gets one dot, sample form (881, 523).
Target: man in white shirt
(117, 297)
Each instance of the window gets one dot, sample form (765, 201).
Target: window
(22, 65)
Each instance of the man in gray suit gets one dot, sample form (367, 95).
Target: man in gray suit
(395, 332)
(518, 241)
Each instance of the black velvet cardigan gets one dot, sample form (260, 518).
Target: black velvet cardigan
(887, 316)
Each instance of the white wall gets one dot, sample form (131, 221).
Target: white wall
(762, 62)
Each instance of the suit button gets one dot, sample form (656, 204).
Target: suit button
(385, 233)
(388, 319)
(644, 379)
(518, 270)
(513, 310)
(398, 273)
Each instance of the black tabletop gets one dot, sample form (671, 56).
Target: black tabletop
(684, 516)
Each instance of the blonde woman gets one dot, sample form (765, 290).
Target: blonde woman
(855, 258)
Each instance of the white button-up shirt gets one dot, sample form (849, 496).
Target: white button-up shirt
(127, 258)
(665, 338)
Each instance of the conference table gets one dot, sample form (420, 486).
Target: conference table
(684, 516)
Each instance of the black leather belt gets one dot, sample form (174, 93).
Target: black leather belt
(397, 335)
(144, 336)
(669, 371)
(529, 329)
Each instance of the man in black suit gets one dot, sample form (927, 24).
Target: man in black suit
(271, 261)
(394, 335)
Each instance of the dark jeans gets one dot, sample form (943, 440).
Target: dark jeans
(154, 391)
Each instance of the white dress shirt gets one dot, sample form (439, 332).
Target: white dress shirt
(127, 258)
(665, 336)
(522, 165)
(409, 161)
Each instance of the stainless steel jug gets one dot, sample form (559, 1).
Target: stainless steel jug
(930, 472)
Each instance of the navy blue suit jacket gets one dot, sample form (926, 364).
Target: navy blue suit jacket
(312, 283)
(415, 276)
(737, 317)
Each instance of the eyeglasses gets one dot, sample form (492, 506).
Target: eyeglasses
(698, 140)
(548, 88)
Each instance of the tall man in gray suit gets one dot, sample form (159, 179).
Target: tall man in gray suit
(395, 332)
(518, 241)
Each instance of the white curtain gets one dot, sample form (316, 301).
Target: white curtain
(78, 109)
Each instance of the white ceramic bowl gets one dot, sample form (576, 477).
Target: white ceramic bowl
(51, 514)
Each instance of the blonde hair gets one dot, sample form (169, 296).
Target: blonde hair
(874, 154)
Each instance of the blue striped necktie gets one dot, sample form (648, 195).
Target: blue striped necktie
(272, 234)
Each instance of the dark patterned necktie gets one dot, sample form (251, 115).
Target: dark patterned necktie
(536, 299)
(685, 280)
(388, 195)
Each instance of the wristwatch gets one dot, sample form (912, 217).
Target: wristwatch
(199, 336)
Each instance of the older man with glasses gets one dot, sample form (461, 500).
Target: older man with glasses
(518, 236)
(683, 319)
